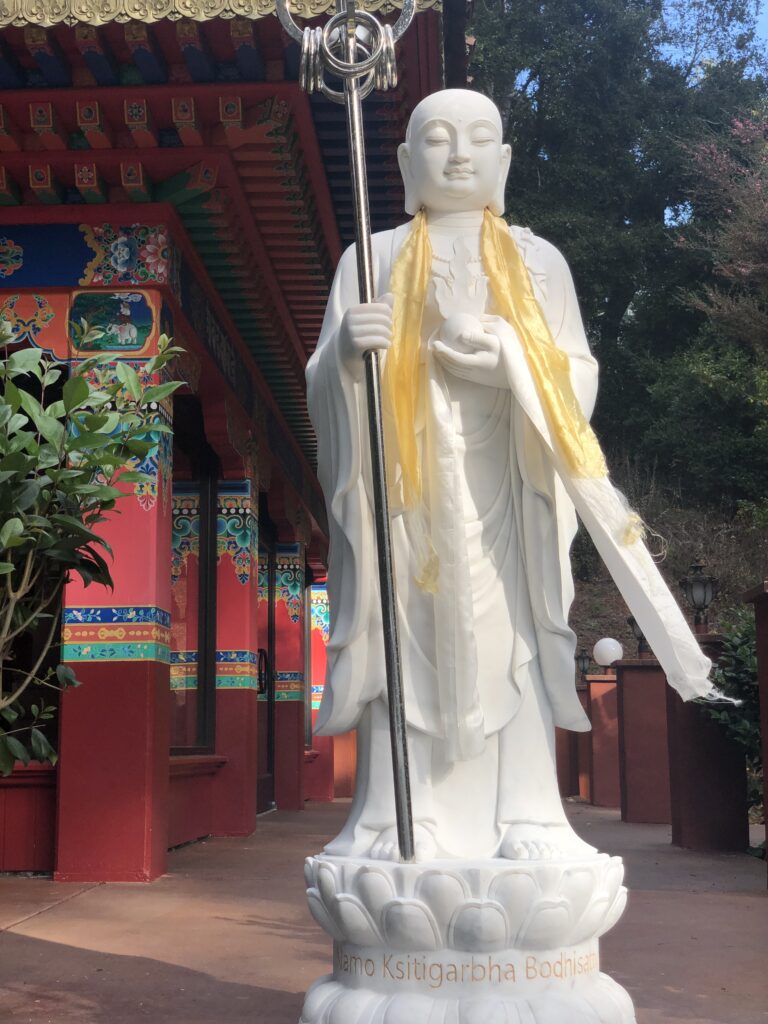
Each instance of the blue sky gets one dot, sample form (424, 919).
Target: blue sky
(762, 22)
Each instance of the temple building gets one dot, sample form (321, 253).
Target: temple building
(161, 171)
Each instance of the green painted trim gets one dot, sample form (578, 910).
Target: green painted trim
(116, 652)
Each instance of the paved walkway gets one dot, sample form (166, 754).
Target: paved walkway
(225, 937)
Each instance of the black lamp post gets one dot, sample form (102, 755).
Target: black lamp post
(642, 644)
(583, 661)
(700, 591)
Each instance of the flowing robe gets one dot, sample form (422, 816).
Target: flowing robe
(456, 686)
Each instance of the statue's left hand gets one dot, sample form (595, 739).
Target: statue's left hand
(474, 355)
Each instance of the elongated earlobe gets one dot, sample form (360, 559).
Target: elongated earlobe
(412, 203)
(498, 203)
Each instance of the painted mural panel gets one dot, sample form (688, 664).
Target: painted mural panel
(124, 320)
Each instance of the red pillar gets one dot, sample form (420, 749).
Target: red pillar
(318, 770)
(603, 712)
(643, 754)
(114, 729)
(289, 677)
(236, 658)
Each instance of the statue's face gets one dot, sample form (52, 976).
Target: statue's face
(453, 158)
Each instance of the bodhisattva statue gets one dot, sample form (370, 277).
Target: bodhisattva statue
(490, 384)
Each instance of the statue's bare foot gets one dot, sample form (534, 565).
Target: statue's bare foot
(525, 841)
(386, 846)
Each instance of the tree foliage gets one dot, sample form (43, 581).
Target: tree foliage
(66, 453)
(604, 103)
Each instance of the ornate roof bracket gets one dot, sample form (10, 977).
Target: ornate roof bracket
(47, 13)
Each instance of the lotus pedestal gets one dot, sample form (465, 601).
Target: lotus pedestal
(457, 942)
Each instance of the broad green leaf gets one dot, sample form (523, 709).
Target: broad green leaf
(76, 391)
(66, 675)
(25, 360)
(18, 749)
(11, 528)
(41, 748)
(160, 391)
(12, 395)
(15, 461)
(51, 429)
(7, 759)
(27, 495)
(17, 422)
(132, 476)
(9, 713)
(6, 568)
(128, 376)
(89, 440)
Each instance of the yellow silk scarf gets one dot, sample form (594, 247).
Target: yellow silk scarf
(516, 303)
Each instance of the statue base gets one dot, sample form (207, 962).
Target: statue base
(466, 942)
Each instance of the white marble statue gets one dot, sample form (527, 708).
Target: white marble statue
(501, 459)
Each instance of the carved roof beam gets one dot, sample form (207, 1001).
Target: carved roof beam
(11, 72)
(90, 183)
(48, 56)
(97, 55)
(136, 182)
(10, 193)
(9, 132)
(248, 56)
(91, 122)
(44, 184)
(146, 53)
(44, 123)
(189, 184)
(186, 121)
(140, 123)
(196, 51)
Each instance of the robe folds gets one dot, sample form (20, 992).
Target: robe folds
(544, 499)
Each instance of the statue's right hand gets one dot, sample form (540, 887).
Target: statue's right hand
(365, 328)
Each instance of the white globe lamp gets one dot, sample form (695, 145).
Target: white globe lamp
(606, 651)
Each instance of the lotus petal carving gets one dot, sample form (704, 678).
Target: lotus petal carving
(479, 925)
(482, 906)
(410, 925)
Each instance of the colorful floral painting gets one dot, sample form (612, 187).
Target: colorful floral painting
(321, 620)
(237, 533)
(125, 319)
(27, 328)
(289, 581)
(127, 255)
(186, 531)
(11, 257)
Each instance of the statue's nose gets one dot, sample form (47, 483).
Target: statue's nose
(460, 156)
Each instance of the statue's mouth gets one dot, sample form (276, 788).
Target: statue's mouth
(459, 175)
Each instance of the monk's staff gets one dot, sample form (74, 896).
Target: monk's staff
(356, 47)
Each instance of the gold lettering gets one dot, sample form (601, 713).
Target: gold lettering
(435, 975)
(530, 967)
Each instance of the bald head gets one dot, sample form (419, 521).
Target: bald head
(453, 157)
(449, 104)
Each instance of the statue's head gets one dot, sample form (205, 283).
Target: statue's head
(453, 158)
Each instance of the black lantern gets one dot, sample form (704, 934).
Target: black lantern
(642, 644)
(583, 661)
(700, 591)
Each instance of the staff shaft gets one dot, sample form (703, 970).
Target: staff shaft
(387, 587)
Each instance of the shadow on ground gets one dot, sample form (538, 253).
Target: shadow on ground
(60, 983)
